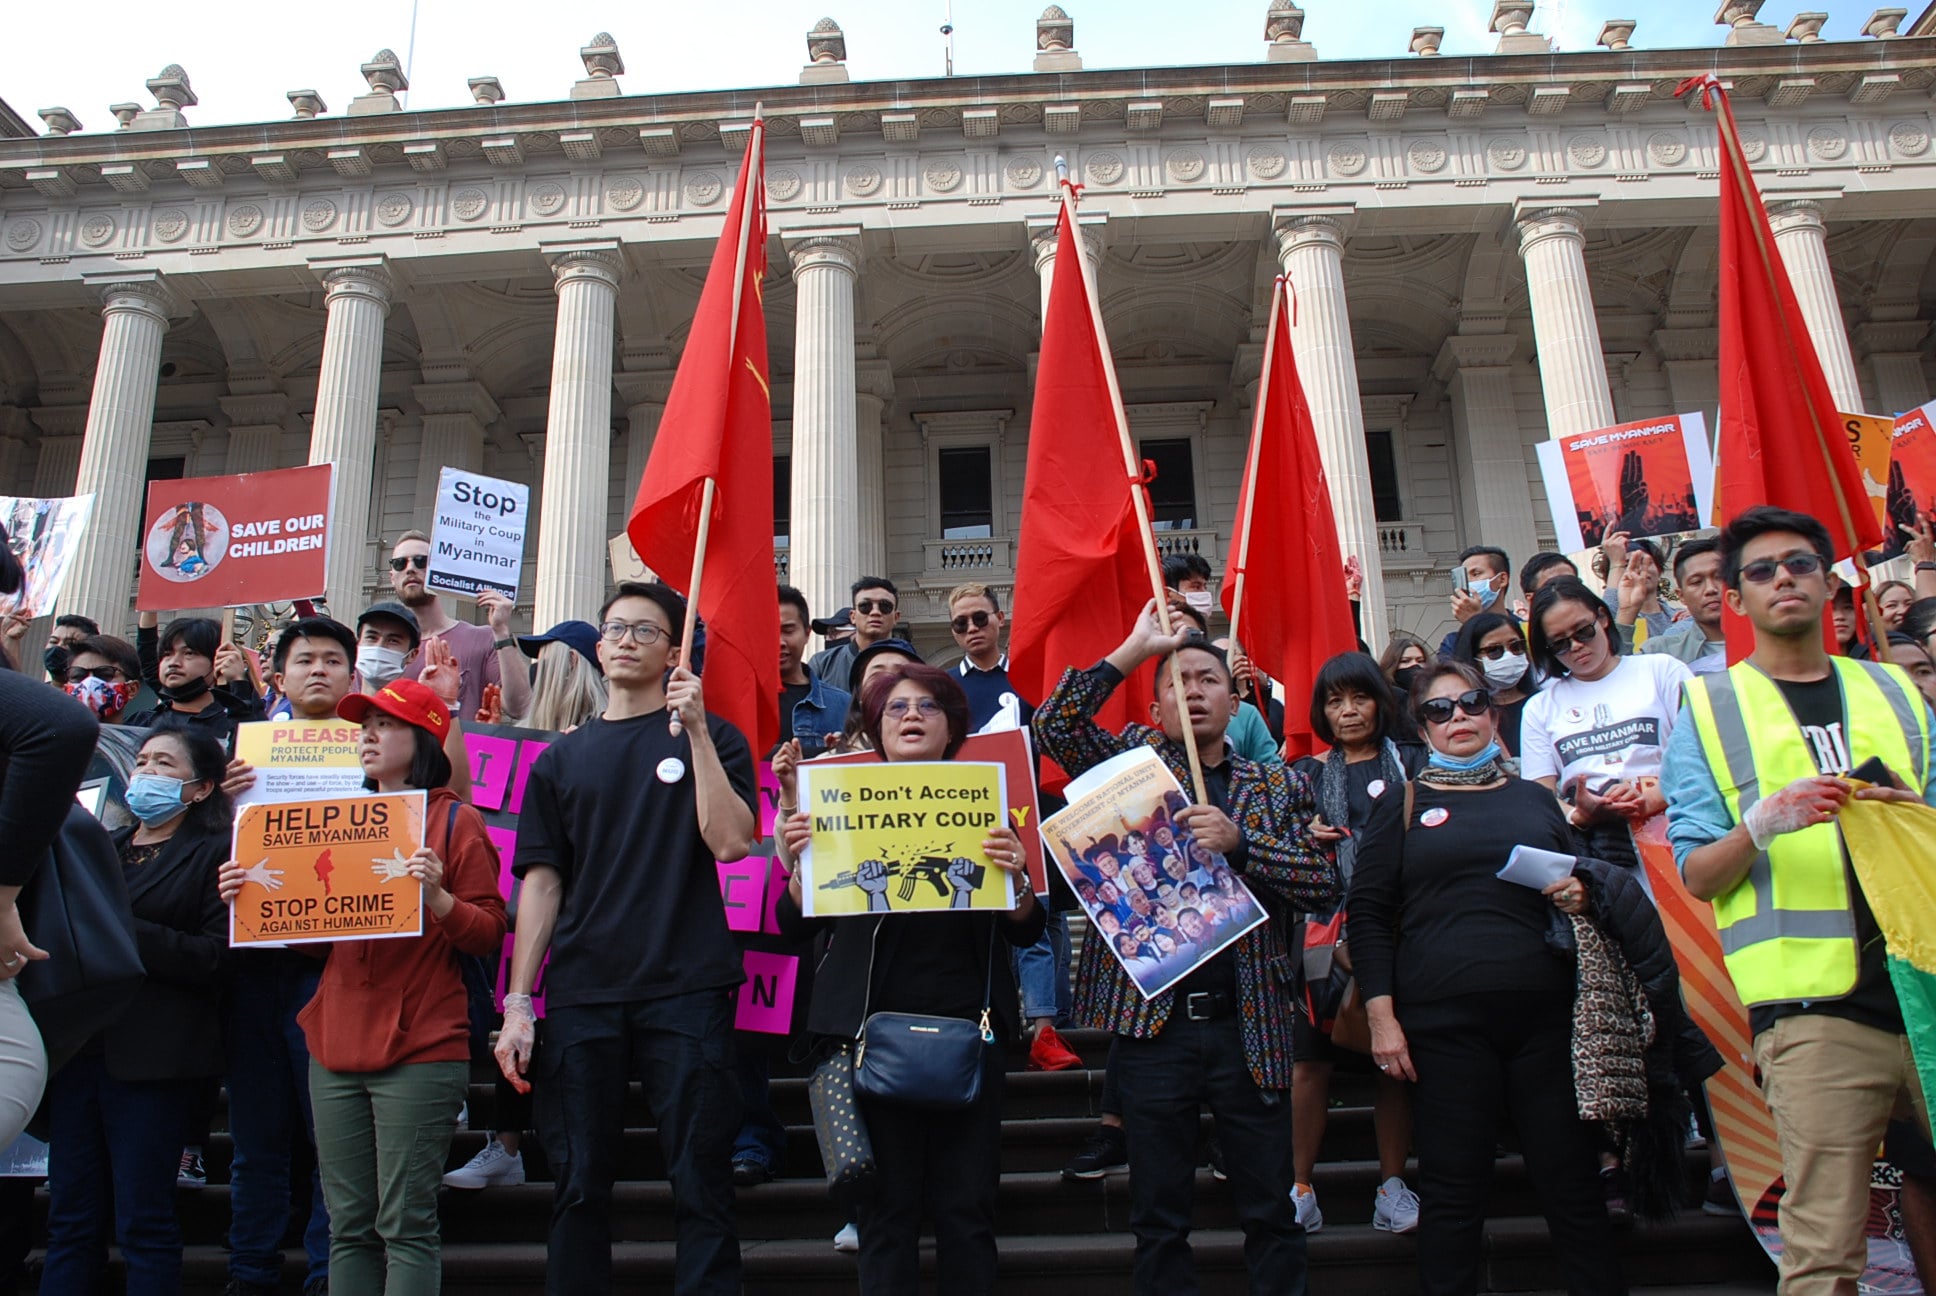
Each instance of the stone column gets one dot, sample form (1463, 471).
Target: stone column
(1041, 230)
(1802, 236)
(255, 430)
(644, 393)
(1491, 453)
(15, 423)
(1310, 246)
(875, 383)
(1687, 355)
(824, 556)
(572, 557)
(1895, 351)
(357, 295)
(1572, 373)
(114, 449)
(455, 415)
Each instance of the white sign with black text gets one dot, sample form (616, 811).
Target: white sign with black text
(477, 543)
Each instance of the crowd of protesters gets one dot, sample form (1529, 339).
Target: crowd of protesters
(1562, 719)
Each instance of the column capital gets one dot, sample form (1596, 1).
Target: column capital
(588, 260)
(836, 247)
(468, 398)
(1464, 351)
(367, 277)
(1298, 227)
(1785, 214)
(643, 387)
(1674, 344)
(1041, 230)
(141, 291)
(248, 409)
(1538, 221)
(1891, 337)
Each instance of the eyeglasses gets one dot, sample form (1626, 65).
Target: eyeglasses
(882, 606)
(926, 708)
(977, 620)
(110, 674)
(644, 632)
(1474, 702)
(1762, 570)
(1564, 644)
(419, 561)
(1494, 653)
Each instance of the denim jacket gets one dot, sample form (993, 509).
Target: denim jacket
(823, 711)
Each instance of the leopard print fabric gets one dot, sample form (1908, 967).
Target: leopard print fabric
(1612, 1028)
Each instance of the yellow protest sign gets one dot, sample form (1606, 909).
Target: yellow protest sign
(300, 760)
(1870, 437)
(328, 870)
(902, 837)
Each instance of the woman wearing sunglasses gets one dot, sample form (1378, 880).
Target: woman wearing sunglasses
(1465, 996)
(1596, 733)
(1497, 646)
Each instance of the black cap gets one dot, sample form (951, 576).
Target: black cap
(395, 612)
(841, 620)
(873, 650)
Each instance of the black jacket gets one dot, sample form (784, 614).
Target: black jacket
(173, 1030)
(842, 989)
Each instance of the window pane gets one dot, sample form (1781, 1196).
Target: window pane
(1173, 494)
(967, 493)
(782, 498)
(1385, 504)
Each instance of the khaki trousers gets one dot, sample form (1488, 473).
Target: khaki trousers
(1832, 1084)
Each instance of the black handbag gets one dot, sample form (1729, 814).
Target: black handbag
(76, 908)
(932, 1063)
(846, 1151)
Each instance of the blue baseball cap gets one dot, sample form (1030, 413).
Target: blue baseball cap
(582, 636)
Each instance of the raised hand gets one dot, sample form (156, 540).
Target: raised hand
(1901, 504)
(1354, 577)
(441, 673)
(1633, 492)
(490, 707)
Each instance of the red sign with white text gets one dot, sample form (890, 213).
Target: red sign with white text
(226, 541)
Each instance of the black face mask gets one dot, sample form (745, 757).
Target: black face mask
(187, 692)
(56, 660)
(1404, 677)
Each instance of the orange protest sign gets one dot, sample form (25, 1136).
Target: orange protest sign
(1869, 437)
(328, 870)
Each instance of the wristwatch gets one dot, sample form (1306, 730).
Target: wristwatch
(506, 642)
(1926, 566)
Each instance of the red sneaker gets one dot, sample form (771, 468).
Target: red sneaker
(1049, 1053)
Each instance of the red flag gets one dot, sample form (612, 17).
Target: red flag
(1294, 614)
(1081, 572)
(1780, 441)
(718, 426)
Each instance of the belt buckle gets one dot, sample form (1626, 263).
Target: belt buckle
(1200, 1005)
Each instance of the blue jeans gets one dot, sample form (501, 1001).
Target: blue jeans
(269, 1110)
(1042, 970)
(116, 1146)
(762, 1136)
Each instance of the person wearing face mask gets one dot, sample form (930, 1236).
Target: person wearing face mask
(117, 1110)
(1494, 643)
(1404, 657)
(195, 675)
(1484, 572)
(104, 674)
(484, 654)
(1189, 575)
(390, 646)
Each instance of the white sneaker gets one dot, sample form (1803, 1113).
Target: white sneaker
(1397, 1208)
(1305, 1202)
(847, 1241)
(494, 1167)
(464, 1116)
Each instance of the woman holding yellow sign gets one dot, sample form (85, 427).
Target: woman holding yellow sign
(924, 971)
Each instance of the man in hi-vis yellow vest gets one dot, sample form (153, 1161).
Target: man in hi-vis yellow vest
(1751, 803)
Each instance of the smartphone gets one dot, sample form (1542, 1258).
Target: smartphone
(1873, 770)
(1458, 579)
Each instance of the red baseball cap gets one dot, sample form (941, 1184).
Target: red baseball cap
(410, 701)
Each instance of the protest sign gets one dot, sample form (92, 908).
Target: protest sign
(1910, 497)
(1653, 477)
(1162, 903)
(1869, 439)
(43, 534)
(902, 837)
(477, 540)
(501, 758)
(224, 541)
(626, 565)
(328, 870)
(300, 760)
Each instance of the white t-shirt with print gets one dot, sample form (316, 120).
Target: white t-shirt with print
(1613, 729)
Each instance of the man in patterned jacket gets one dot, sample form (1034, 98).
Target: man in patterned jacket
(1223, 1034)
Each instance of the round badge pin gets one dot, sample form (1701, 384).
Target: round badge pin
(1434, 817)
(1375, 789)
(671, 770)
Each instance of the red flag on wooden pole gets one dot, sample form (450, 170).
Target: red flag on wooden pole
(1284, 588)
(703, 519)
(1780, 439)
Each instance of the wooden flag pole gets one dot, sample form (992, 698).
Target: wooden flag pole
(1250, 465)
(1132, 464)
(758, 154)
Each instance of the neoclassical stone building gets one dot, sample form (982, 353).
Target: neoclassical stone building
(1486, 252)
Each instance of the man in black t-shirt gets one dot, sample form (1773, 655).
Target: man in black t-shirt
(623, 821)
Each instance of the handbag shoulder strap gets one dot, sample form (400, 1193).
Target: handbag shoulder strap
(1411, 796)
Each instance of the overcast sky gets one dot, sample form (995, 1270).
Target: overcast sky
(242, 59)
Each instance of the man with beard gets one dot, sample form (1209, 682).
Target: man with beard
(486, 654)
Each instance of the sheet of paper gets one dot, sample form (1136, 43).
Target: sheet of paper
(1529, 866)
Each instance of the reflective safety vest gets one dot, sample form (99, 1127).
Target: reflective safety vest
(1788, 928)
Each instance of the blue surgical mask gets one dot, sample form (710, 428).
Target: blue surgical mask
(1490, 752)
(155, 798)
(1484, 592)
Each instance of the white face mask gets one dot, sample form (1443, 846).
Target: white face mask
(378, 665)
(1201, 601)
(1506, 672)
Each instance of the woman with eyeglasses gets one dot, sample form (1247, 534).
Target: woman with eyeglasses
(932, 964)
(1595, 734)
(1497, 646)
(1467, 998)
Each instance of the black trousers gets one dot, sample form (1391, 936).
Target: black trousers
(681, 1048)
(946, 1165)
(1470, 1054)
(1165, 1083)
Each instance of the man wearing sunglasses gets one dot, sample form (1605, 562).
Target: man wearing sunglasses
(1754, 780)
(877, 612)
(486, 654)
